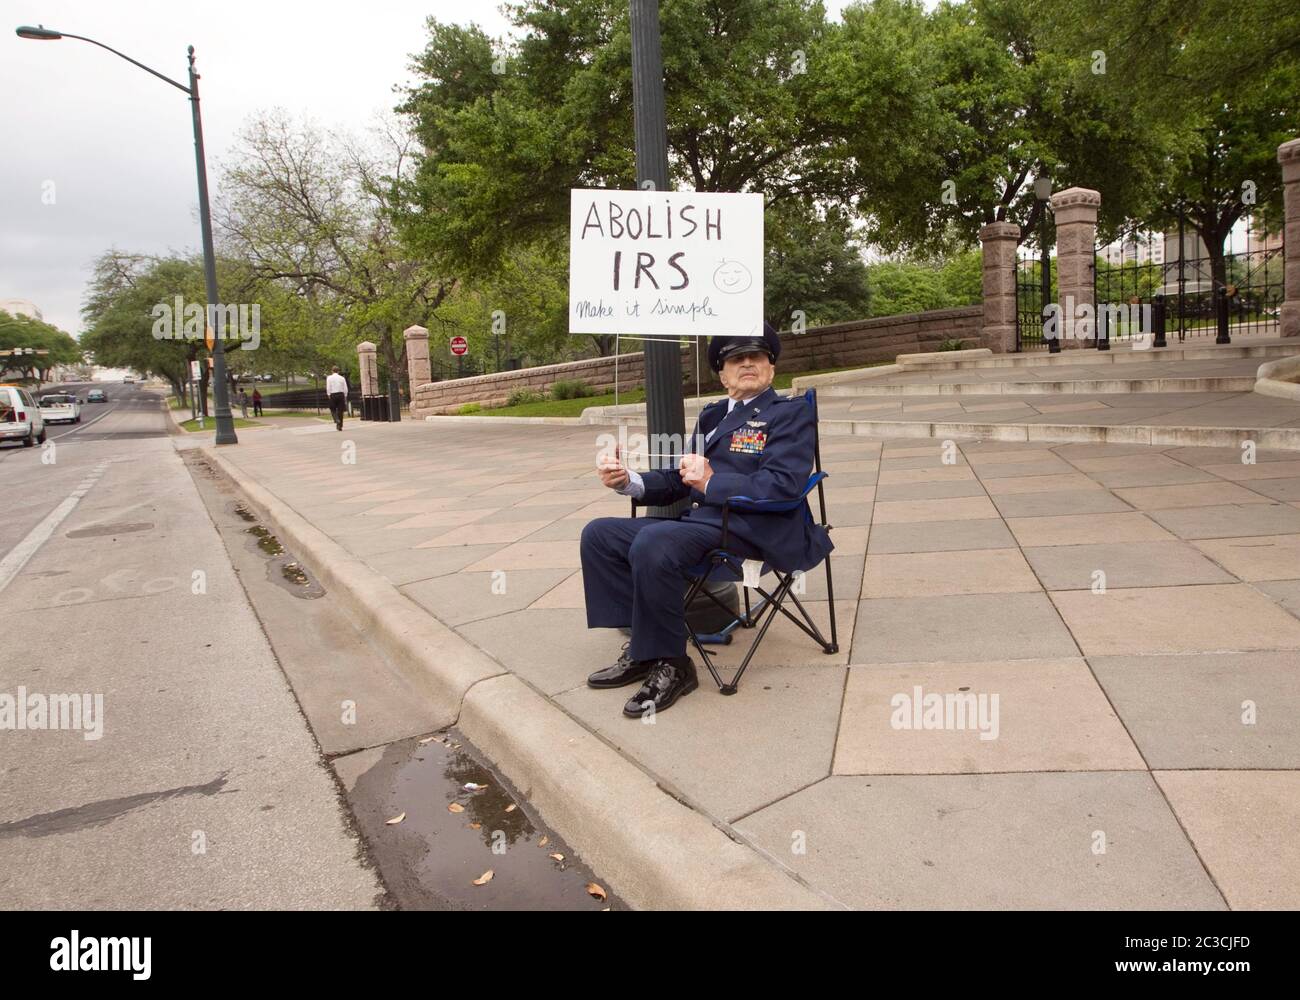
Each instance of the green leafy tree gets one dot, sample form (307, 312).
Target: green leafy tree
(28, 332)
(501, 150)
(976, 103)
(813, 265)
(119, 313)
(309, 214)
(1217, 83)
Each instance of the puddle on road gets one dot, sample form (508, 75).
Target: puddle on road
(294, 574)
(431, 858)
(242, 511)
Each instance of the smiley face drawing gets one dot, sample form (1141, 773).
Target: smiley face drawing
(732, 277)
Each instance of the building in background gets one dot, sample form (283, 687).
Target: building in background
(21, 307)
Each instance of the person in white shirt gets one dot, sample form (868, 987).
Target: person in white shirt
(336, 386)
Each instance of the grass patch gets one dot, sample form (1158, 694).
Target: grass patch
(210, 424)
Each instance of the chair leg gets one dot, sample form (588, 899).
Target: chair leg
(830, 599)
(811, 629)
(778, 597)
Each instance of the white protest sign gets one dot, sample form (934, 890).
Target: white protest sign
(668, 263)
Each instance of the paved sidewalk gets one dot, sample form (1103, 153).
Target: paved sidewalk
(1123, 621)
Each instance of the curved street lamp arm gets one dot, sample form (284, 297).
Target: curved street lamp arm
(160, 76)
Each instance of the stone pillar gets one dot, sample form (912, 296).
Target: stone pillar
(417, 357)
(999, 240)
(1076, 246)
(369, 368)
(1288, 154)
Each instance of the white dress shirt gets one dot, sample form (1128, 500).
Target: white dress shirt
(635, 485)
(334, 382)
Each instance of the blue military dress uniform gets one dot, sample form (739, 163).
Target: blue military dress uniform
(633, 569)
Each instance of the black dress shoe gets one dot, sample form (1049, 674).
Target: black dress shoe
(625, 671)
(667, 681)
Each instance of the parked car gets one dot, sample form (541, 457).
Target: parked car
(97, 396)
(20, 417)
(128, 379)
(60, 407)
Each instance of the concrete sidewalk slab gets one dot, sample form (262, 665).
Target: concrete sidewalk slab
(1208, 710)
(957, 842)
(1012, 715)
(1243, 824)
(1176, 620)
(1124, 565)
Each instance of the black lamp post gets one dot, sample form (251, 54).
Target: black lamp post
(215, 319)
(663, 357)
(1043, 192)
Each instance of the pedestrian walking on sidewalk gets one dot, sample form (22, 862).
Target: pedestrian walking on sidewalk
(337, 388)
(257, 403)
(243, 403)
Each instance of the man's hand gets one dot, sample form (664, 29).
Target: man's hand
(695, 471)
(611, 471)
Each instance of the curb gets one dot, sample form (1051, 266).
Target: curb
(470, 418)
(653, 850)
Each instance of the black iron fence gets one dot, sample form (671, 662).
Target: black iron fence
(1164, 288)
(1032, 297)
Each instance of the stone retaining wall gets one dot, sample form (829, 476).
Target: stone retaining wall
(861, 342)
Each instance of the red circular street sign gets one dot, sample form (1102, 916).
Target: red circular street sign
(459, 346)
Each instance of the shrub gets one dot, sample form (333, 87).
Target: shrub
(571, 389)
(952, 344)
(469, 408)
(520, 396)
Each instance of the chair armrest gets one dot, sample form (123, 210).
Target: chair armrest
(759, 505)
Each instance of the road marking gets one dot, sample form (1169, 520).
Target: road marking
(82, 427)
(18, 556)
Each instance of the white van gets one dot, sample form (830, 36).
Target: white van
(20, 417)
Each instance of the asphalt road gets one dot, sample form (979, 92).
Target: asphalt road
(220, 772)
(191, 778)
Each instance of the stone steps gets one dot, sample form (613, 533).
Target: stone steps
(1283, 438)
(1244, 383)
(1273, 348)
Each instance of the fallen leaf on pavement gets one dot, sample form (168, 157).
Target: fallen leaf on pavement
(511, 808)
(456, 807)
(427, 739)
(476, 826)
(595, 890)
(544, 841)
(557, 857)
(485, 878)
(395, 820)
(473, 786)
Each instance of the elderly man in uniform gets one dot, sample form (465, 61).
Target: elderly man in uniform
(756, 443)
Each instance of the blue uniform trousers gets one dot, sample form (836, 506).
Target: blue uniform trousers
(634, 573)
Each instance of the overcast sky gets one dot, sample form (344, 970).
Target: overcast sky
(114, 145)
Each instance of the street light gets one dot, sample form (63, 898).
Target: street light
(216, 321)
(1042, 192)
